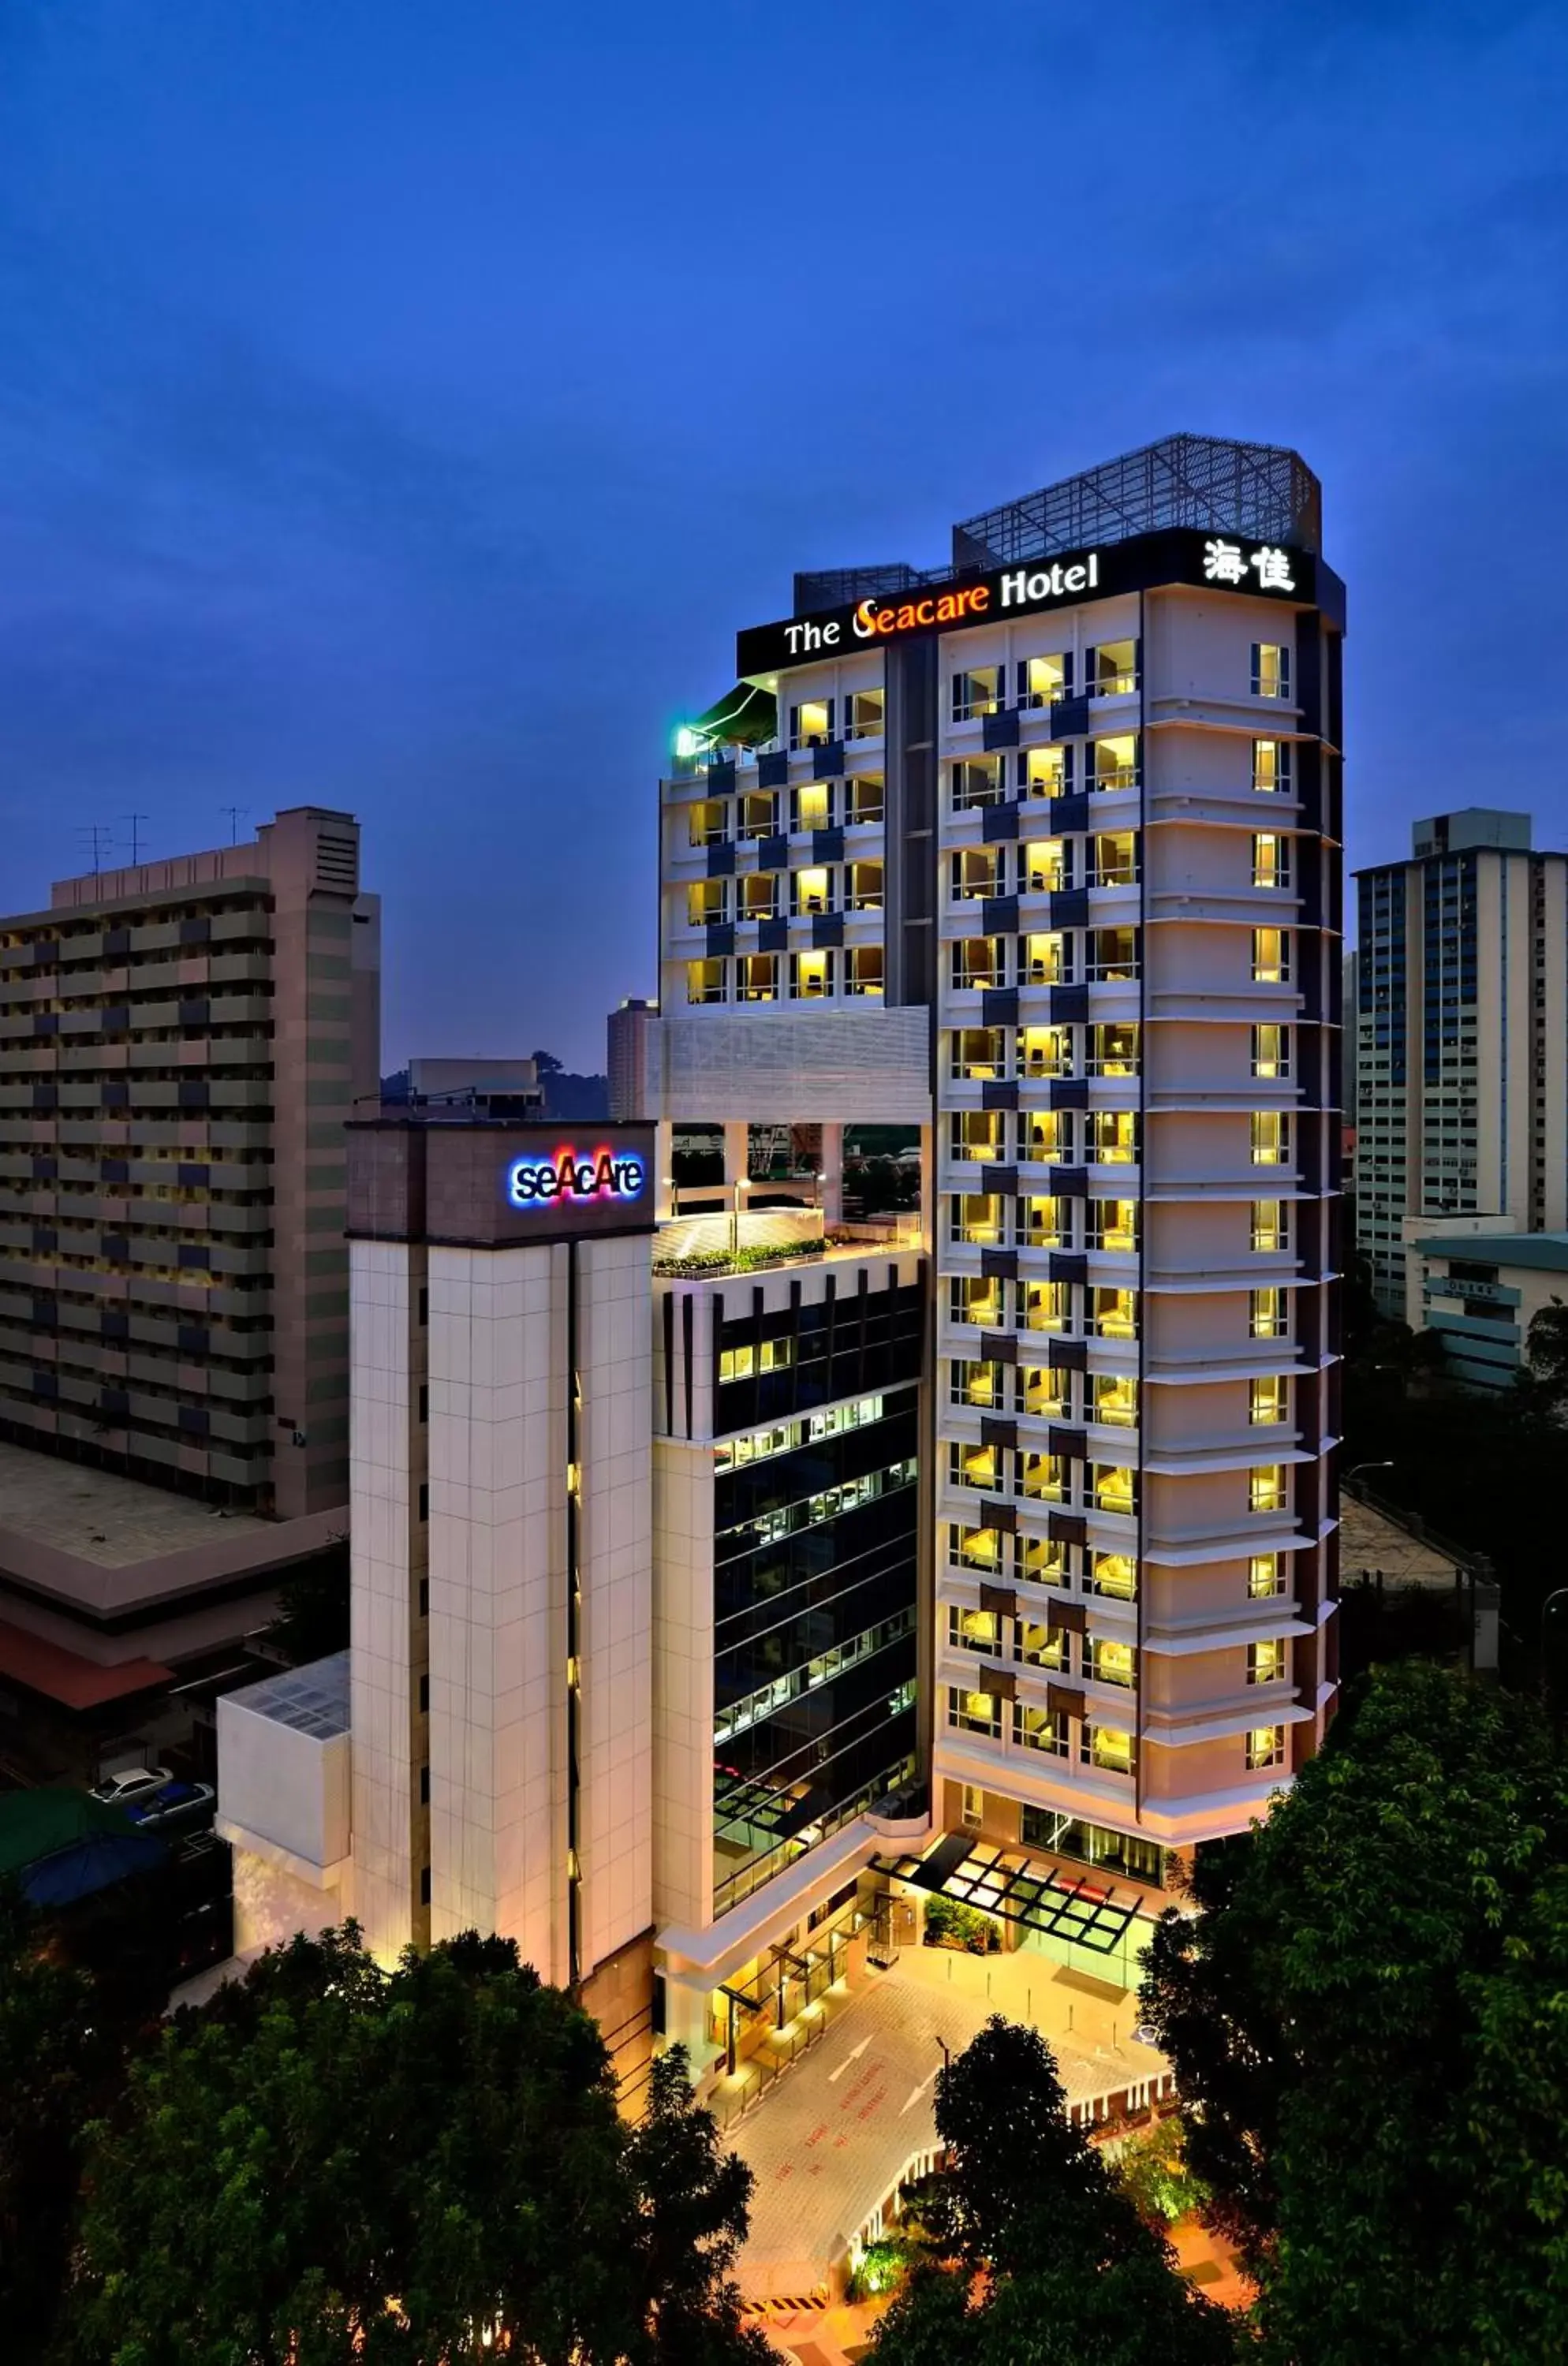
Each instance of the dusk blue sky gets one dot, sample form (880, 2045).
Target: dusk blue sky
(403, 401)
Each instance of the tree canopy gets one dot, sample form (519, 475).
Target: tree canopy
(330, 2163)
(1036, 2256)
(1367, 2015)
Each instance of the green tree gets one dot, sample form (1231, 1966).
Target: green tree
(1036, 2256)
(335, 2164)
(62, 2056)
(1365, 2015)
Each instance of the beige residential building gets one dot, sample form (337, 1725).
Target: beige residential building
(181, 1043)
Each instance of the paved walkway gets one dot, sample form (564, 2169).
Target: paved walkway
(832, 2138)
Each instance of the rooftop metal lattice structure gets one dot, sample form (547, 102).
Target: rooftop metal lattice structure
(1258, 490)
(313, 1700)
(842, 587)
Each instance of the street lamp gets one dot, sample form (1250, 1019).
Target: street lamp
(1356, 1468)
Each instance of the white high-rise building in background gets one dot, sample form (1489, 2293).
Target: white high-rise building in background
(1461, 1104)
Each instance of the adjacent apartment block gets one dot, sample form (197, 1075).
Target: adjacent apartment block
(903, 1462)
(181, 1044)
(1461, 1102)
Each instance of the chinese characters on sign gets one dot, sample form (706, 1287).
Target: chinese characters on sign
(1224, 562)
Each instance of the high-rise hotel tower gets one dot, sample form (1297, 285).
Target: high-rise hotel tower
(1075, 801)
(896, 1454)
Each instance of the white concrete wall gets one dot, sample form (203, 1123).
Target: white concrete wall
(683, 1684)
(379, 1516)
(615, 1562)
(282, 1786)
(498, 1469)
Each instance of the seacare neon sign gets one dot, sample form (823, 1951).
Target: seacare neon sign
(565, 1178)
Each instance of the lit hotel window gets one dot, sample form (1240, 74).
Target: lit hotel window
(1112, 670)
(1271, 766)
(1266, 1400)
(1044, 960)
(1270, 1133)
(1047, 772)
(1116, 858)
(811, 723)
(974, 1712)
(1047, 867)
(975, 872)
(978, 1133)
(977, 961)
(1047, 1305)
(1270, 669)
(1115, 1224)
(1266, 1487)
(1048, 1137)
(1265, 1746)
(810, 977)
(976, 691)
(811, 806)
(1113, 763)
(1270, 860)
(705, 902)
(1045, 1051)
(1040, 1729)
(865, 794)
(1114, 1313)
(977, 780)
(862, 714)
(1271, 1052)
(1270, 1226)
(1043, 1561)
(976, 1298)
(1048, 1223)
(978, 1054)
(1043, 1394)
(1042, 682)
(1107, 1748)
(1116, 1400)
(757, 977)
(1113, 1051)
(862, 970)
(1044, 1478)
(708, 824)
(1115, 1575)
(1270, 957)
(1266, 1662)
(745, 1363)
(704, 981)
(1115, 1489)
(1040, 1645)
(1265, 1575)
(974, 1466)
(1113, 1138)
(972, 1383)
(973, 1630)
(979, 1219)
(978, 1549)
(1111, 1661)
(811, 891)
(1266, 1314)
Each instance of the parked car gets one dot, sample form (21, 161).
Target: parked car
(131, 1784)
(182, 1804)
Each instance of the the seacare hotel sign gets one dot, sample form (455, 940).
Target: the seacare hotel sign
(1180, 554)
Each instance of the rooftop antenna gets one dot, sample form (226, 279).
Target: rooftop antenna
(233, 813)
(135, 821)
(100, 838)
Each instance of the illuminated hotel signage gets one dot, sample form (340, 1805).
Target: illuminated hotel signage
(564, 1179)
(1179, 555)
